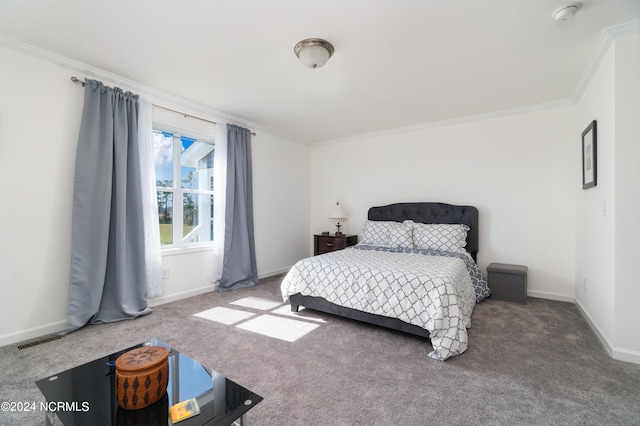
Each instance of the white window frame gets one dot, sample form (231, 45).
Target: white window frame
(178, 246)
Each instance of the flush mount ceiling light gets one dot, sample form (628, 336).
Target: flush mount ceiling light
(567, 12)
(313, 52)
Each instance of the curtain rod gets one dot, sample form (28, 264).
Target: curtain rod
(78, 81)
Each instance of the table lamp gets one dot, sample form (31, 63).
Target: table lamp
(338, 213)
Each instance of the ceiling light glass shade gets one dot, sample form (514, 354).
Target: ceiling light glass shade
(567, 12)
(313, 52)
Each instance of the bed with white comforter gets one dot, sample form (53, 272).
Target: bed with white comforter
(428, 288)
(406, 269)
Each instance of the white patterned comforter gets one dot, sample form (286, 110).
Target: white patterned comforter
(432, 292)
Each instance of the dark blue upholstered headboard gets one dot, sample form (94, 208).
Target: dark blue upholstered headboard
(432, 213)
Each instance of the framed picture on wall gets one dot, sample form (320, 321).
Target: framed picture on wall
(589, 156)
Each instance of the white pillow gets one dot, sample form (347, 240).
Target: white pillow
(387, 234)
(401, 236)
(376, 233)
(449, 237)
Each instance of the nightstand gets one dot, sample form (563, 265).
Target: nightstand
(328, 243)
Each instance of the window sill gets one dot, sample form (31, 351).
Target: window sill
(185, 250)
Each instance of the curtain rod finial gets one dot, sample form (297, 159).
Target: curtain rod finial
(77, 80)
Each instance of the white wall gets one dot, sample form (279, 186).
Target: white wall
(39, 120)
(595, 253)
(281, 202)
(627, 80)
(40, 111)
(517, 168)
(607, 251)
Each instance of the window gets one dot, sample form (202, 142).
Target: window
(184, 183)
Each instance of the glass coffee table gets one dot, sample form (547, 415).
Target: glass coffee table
(85, 395)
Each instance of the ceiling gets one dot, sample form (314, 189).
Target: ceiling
(397, 63)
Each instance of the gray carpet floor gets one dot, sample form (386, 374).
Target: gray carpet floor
(533, 364)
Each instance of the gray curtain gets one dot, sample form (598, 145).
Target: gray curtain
(239, 265)
(108, 279)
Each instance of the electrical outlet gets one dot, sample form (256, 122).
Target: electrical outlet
(165, 272)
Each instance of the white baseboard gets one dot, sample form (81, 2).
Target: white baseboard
(273, 273)
(161, 300)
(551, 296)
(604, 340)
(58, 326)
(626, 355)
(33, 333)
(613, 351)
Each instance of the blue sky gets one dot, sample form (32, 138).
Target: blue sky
(163, 154)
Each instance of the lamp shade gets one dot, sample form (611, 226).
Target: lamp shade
(338, 212)
(313, 52)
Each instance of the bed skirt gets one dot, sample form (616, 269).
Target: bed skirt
(320, 304)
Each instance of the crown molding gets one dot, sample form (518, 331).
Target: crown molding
(159, 97)
(452, 121)
(605, 41)
(607, 37)
(631, 27)
(92, 72)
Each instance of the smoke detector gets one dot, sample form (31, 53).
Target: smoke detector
(567, 12)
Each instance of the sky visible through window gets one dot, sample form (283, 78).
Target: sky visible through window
(163, 157)
(184, 182)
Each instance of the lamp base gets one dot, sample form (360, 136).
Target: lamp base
(339, 234)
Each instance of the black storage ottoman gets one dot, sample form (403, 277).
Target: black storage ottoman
(508, 282)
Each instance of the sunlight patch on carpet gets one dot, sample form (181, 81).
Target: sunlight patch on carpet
(285, 329)
(224, 315)
(301, 314)
(256, 303)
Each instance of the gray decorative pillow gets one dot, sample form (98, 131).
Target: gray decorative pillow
(449, 237)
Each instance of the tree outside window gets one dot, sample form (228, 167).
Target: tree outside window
(184, 183)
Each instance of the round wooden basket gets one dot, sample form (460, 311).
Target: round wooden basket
(142, 376)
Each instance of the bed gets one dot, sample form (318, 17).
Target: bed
(402, 275)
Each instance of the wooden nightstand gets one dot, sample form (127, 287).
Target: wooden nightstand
(327, 243)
